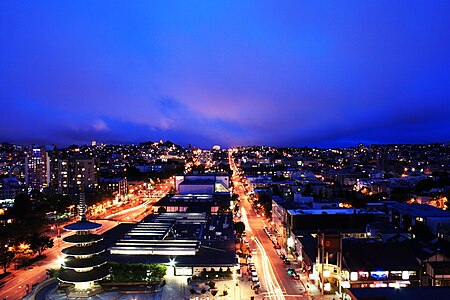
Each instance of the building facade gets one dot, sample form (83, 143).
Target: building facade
(37, 168)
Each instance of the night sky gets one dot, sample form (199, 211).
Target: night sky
(280, 73)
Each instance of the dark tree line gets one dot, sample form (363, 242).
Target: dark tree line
(27, 230)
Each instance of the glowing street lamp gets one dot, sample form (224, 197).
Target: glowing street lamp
(172, 262)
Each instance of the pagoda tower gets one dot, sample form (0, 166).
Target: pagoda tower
(82, 265)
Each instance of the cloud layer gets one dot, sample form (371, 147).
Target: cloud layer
(276, 73)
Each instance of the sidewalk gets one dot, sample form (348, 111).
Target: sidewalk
(178, 288)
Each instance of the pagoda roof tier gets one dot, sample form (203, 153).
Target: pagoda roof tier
(71, 276)
(74, 263)
(89, 250)
(82, 225)
(82, 238)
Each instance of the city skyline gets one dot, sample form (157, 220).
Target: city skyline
(226, 73)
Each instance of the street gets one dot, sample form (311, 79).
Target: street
(276, 282)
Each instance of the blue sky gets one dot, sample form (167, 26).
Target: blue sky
(283, 73)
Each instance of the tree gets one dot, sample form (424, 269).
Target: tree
(239, 227)
(211, 284)
(6, 256)
(59, 203)
(38, 243)
(37, 195)
(22, 205)
(137, 272)
(235, 197)
(224, 208)
(265, 200)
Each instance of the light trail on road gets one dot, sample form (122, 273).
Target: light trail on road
(272, 286)
(128, 210)
(245, 220)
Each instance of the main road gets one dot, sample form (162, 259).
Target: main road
(276, 281)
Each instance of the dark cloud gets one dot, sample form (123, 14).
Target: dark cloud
(229, 73)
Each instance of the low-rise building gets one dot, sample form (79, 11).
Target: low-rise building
(188, 242)
(192, 203)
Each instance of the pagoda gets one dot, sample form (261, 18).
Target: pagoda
(83, 266)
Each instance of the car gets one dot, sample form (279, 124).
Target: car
(287, 261)
(255, 279)
(282, 256)
(293, 273)
(254, 274)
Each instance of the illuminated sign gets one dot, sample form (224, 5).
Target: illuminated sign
(405, 275)
(379, 275)
(183, 271)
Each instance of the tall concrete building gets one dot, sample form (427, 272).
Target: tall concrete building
(37, 168)
(73, 174)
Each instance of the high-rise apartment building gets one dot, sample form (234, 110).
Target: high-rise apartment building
(37, 168)
(71, 175)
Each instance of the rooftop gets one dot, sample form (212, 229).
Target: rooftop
(193, 238)
(72, 276)
(82, 225)
(331, 211)
(410, 293)
(420, 210)
(371, 255)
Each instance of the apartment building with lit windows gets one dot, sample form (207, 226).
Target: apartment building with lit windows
(37, 168)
